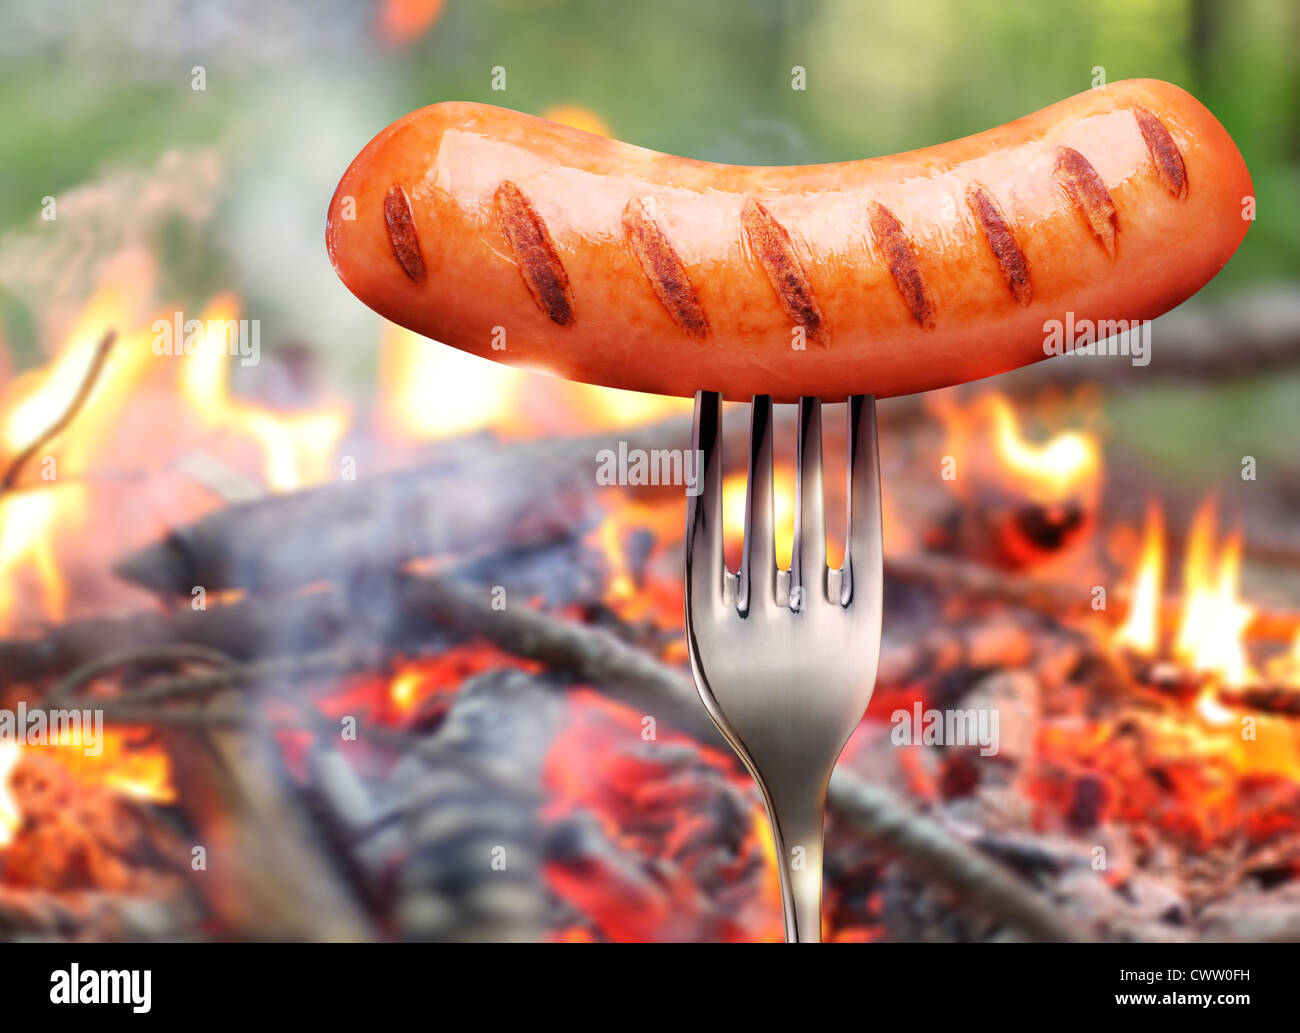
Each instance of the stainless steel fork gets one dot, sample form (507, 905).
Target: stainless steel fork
(786, 661)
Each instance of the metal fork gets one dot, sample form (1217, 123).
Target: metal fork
(786, 661)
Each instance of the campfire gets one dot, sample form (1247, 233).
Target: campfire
(397, 665)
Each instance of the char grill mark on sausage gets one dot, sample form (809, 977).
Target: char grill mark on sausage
(402, 235)
(997, 231)
(775, 252)
(900, 256)
(1164, 152)
(664, 269)
(535, 253)
(1089, 196)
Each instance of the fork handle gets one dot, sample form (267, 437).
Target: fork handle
(797, 831)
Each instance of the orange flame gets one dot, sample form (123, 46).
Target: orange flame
(1285, 669)
(401, 22)
(578, 117)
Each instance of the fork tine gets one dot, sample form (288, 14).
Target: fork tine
(704, 557)
(808, 558)
(758, 563)
(863, 578)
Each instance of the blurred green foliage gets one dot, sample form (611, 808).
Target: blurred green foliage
(295, 89)
(711, 80)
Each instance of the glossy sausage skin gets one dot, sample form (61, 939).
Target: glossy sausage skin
(607, 263)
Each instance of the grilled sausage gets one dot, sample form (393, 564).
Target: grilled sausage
(549, 248)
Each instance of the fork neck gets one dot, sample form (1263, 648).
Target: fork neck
(797, 832)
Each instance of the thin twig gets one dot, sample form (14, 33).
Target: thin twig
(181, 652)
(227, 675)
(88, 382)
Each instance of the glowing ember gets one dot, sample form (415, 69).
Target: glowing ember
(650, 793)
(426, 683)
(119, 764)
(1211, 711)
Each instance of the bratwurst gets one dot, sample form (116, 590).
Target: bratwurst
(549, 248)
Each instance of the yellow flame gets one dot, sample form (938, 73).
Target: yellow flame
(1057, 464)
(35, 402)
(400, 22)
(603, 408)
(118, 763)
(1141, 629)
(297, 448)
(1220, 648)
(431, 391)
(1198, 576)
(11, 818)
(733, 510)
(1211, 711)
(1210, 637)
(25, 542)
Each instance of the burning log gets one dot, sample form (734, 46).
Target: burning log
(470, 802)
(243, 630)
(262, 873)
(33, 914)
(488, 496)
(320, 624)
(1268, 699)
